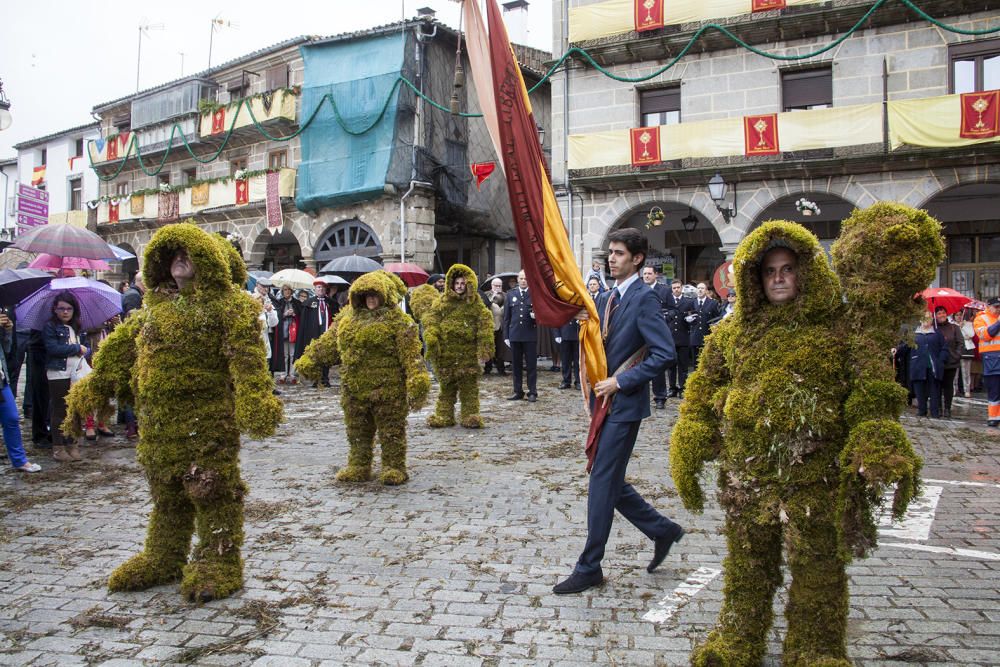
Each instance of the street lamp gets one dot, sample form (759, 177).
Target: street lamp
(5, 117)
(690, 221)
(717, 189)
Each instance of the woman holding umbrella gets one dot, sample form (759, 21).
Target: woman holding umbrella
(285, 333)
(65, 355)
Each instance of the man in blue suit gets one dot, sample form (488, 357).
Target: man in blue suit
(638, 346)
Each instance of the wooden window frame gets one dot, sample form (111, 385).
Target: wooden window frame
(815, 88)
(76, 193)
(283, 153)
(277, 76)
(664, 99)
(976, 51)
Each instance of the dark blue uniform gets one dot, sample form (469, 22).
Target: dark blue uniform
(676, 308)
(520, 329)
(569, 353)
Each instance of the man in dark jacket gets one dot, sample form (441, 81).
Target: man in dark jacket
(677, 307)
(660, 291)
(954, 343)
(568, 339)
(317, 313)
(706, 310)
(132, 298)
(521, 336)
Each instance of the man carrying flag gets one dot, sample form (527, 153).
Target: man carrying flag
(559, 293)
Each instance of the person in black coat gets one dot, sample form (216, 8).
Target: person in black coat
(927, 360)
(317, 314)
(677, 307)
(289, 310)
(705, 311)
(568, 339)
(661, 292)
(521, 336)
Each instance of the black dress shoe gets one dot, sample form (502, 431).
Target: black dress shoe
(671, 393)
(564, 385)
(661, 547)
(660, 403)
(576, 385)
(578, 583)
(515, 397)
(532, 398)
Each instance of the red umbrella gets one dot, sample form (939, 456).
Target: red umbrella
(951, 300)
(411, 274)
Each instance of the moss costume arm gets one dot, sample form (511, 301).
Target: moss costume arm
(484, 340)
(322, 351)
(418, 380)
(432, 335)
(258, 410)
(696, 437)
(111, 376)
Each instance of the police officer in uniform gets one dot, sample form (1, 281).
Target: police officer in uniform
(521, 336)
(677, 307)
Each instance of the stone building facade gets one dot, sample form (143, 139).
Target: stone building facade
(891, 57)
(447, 218)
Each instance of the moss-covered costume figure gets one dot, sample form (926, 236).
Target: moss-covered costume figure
(382, 374)
(192, 362)
(799, 407)
(458, 331)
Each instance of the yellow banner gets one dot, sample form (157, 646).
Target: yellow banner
(931, 122)
(613, 17)
(797, 131)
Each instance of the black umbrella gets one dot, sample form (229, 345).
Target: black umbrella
(351, 267)
(18, 284)
(485, 285)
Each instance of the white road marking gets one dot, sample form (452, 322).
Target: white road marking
(969, 553)
(916, 525)
(958, 482)
(681, 595)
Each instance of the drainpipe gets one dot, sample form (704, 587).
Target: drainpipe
(402, 216)
(418, 126)
(569, 185)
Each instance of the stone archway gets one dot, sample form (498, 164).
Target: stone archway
(970, 216)
(685, 245)
(347, 237)
(275, 252)
(825, 225)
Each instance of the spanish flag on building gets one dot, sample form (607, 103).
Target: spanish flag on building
(38, 175)
(555, 280)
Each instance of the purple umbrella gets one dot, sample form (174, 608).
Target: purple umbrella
(98, 303)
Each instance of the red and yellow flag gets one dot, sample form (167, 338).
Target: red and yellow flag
(980, 118)
(556, 282)
(38, 175)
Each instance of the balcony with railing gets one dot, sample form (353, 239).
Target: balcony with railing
(914, 133)
(198, 198)
(274, 112)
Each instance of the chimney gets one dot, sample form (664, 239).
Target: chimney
(515, 17)
(426, 14)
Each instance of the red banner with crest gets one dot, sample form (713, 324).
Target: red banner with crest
(113, 211)
(760, 135)
(219, 120)
(980, 118)
(648, 14)
(112, 145)
(767, 5)
(242, 191)
(645, 145)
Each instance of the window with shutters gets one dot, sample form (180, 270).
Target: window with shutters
(660, 106)
(276, 77)
(76, 194)
(277, 159)
(806, 89)
(975, 66)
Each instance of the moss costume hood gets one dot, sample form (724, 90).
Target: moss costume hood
(214, 266)
(819, 289)
(386, 285)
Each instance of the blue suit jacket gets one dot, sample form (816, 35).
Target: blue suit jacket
(635, 322)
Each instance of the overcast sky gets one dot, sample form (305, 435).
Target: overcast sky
(58, 58)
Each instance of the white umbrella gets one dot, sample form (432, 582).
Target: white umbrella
(293, 278)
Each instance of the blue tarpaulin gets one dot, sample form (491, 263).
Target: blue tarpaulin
(360, 76)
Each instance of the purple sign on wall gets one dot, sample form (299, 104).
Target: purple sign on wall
(32, 206)
(32, 193)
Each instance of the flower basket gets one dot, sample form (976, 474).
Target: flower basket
(655, 217)
(806, 207)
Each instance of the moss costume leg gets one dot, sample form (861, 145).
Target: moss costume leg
(391, 421)
(168, 540)
(817, 598)
(468, 393)
(216, 570)
(752, 573)
(359, 417)
(444, 411)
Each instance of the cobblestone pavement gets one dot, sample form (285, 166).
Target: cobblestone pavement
(456, 567)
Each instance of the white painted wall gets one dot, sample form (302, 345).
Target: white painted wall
(57, 172)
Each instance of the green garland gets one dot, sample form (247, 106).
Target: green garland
(208, 107)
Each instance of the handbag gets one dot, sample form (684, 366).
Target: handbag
(82, 370)
(293, 330)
